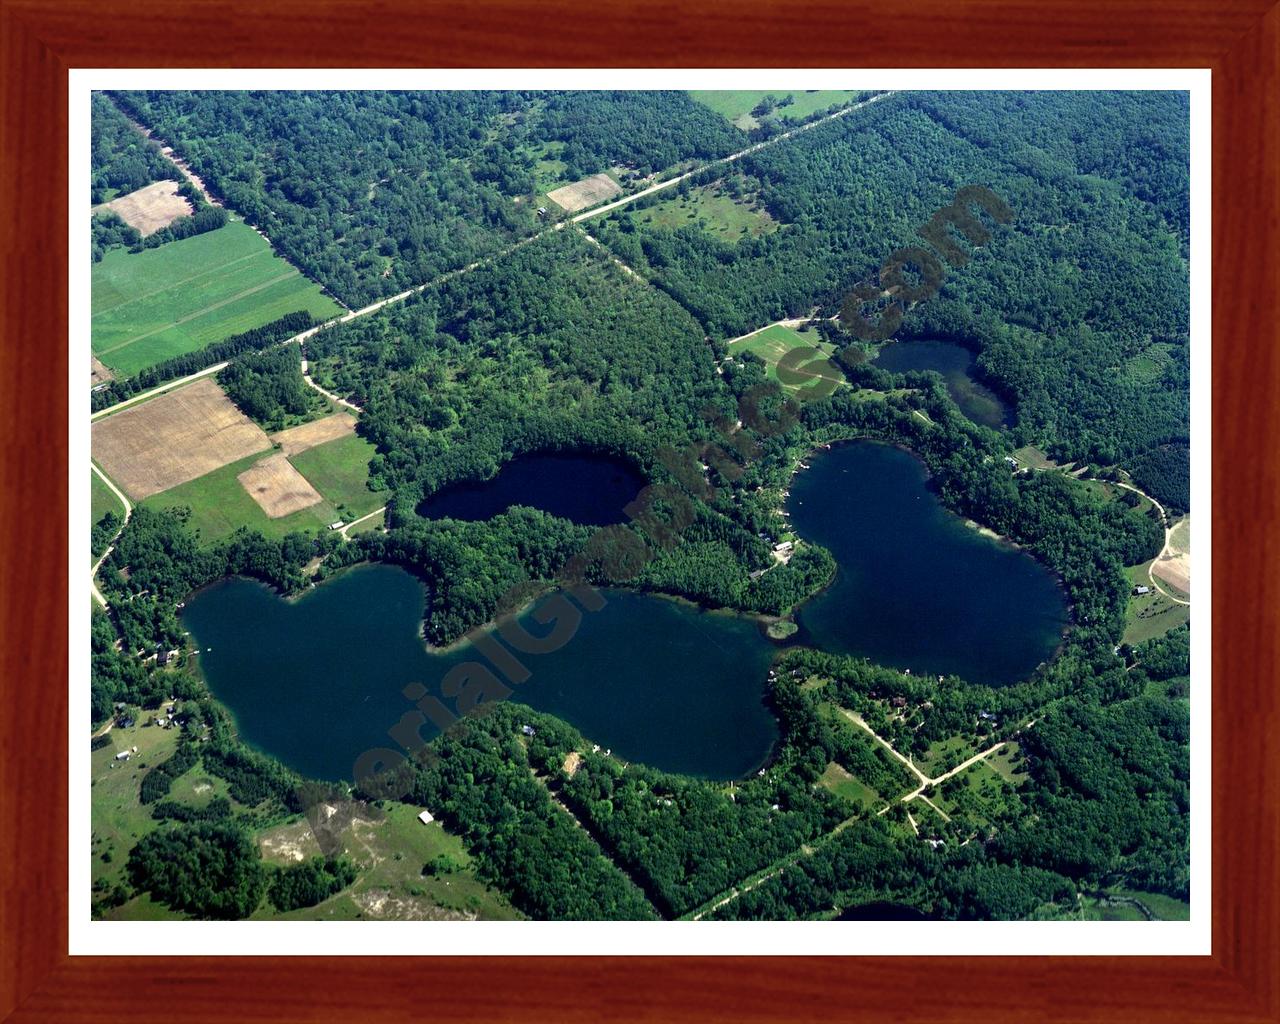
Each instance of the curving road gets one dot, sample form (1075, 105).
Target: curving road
(128, 511)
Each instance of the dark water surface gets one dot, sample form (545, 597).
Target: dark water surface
(917, 588)
(587, 488)
(317, 681)
(955, 363)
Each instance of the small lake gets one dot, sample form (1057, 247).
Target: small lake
(586, 488)
(916, 588)
(318, 681)
(956, 364)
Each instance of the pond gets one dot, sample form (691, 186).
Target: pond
(586, 488)
(915, 587)
(317, 681)
(956, 364)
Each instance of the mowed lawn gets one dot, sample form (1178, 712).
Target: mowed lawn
(776, 341)
(712, 210)
(735, 105)
(340, 471)
(220, 505)
(181, 296)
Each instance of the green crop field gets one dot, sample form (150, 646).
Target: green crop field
(164, 302)
(774, 342)
(220, 505)
(736, 104)
(340, 471)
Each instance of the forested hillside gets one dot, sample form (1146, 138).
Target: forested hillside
(121, 160)
(1076, 780)
(1066, 304)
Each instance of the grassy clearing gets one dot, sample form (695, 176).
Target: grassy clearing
(1033, 458)
(776, 341)
(118, 816)
(181, 296)
(220, 505)
(1165, 908)
(945, 754)
(340, 471)
(391, 854)
(1148, 366)
(1005, 763)
(735, 105)
(102, 499)
(713, 210)
(842, 784)
(1150, 615)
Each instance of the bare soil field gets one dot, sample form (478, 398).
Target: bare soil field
(150, 208)
(1174, 566)
(584, 193)
(174, 438)
(98, 374)
(277, 487)
(308, 435)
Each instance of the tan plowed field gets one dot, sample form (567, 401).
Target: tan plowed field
(174, 438)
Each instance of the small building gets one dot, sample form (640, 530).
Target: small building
(528, 730)
(1141, 590)
(426, 818)
(124, 755)
(1011, 461)
(336, 525)
(542, 211)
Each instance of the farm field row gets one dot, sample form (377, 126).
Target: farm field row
(164, 302)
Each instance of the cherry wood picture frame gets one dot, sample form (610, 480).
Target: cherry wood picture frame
(41, 39)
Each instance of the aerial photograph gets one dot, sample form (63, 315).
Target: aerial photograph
(643, 505)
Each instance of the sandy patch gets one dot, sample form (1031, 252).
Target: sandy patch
(151, 207)
(177, 437)
(571, 762)
(277, 487)
(584, 193)
(289, 844)
(98, 373)
(317, 432)
(1174, 566)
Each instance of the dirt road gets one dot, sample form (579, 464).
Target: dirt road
(670, 182)
(128, 511)
(1166, 550)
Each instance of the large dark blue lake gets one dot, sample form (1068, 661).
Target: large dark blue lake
(587, 488)
(956, 364)
(916, 588)
(318, 681)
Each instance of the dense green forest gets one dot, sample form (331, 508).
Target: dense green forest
(379, 191)
(120, 159)
(1078, 310)
(268, 386)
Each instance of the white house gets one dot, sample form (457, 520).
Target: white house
(425, 818)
